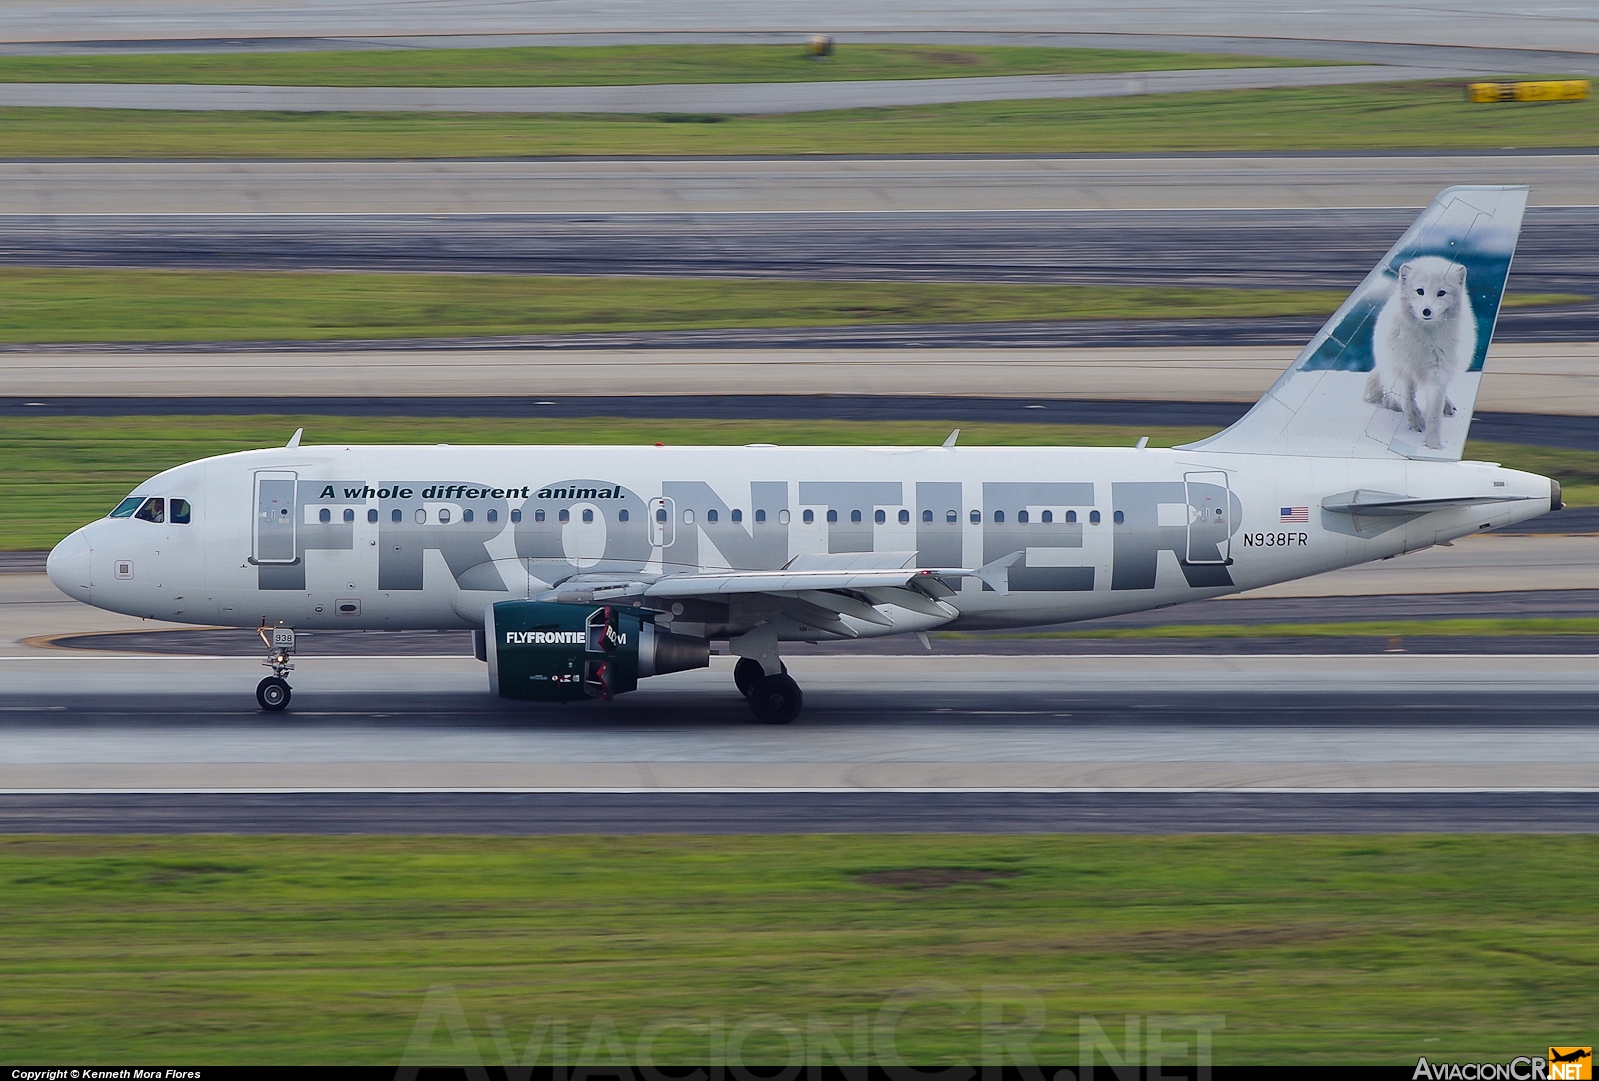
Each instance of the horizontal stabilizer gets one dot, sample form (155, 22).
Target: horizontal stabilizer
(1387, 504)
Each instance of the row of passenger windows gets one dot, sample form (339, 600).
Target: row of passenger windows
(442, 516)
(154, 509)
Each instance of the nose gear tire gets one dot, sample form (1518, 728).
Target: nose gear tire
(272, 694)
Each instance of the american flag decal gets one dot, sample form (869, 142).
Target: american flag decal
(1295, 514)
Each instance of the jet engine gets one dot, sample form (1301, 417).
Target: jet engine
(550, 652)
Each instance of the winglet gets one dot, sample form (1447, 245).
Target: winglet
(294, 440)
(950, 442)
(996, 575)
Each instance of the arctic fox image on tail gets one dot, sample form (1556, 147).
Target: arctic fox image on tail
(1425, 336)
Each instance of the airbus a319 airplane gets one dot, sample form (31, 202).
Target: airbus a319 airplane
(583, 569)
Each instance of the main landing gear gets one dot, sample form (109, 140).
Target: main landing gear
(273, 692)
(773, 699)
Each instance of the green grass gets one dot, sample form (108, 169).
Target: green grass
(61, 472)
(1392, 116)
(95, 305)
(99, 305)
(321, 950)
(616, 65)
(1474, 628)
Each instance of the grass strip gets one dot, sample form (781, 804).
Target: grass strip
(607, 65)
(96, 305)
(64, 471)
(1475, 628)
(1315, 949)
(1409, 117)
(46, 305)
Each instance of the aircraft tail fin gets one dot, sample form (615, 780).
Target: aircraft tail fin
(1394, 373)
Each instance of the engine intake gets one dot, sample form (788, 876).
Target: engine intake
(551, 652)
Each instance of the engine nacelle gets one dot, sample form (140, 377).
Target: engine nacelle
(547, 652)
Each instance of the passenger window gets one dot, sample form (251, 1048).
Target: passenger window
(1118, 517)
(1093, 517)
(711, 515)
(444, 517)
(879, 518)
(760, 516)
(738, 515)
(999, 516)
(1047, 517)
(421, 515)
(1021, 517)
(154, 510)
(349, 515)
(904, 517)
(395, 516)
(565, 516)
(516, 515)
(494, 515)
(688, 517)
(855, 516)
(927, 516)
(588, 515)
(372, 515)
(466, 515)
(324, 515)
(126, 508)
(832, 516)
(538, 515)
(782, 517)
(1071, 517)
(179, 509)
(808, 517)
(660, 514)
(949, 516)
(977, 517)
(621, 515)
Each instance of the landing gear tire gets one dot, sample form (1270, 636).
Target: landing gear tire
(273, 694)
(748, 672)
(776, 699)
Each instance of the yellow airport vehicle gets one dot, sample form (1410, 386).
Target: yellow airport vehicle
(1530, 90)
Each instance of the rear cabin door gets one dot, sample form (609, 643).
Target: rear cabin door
(1210, 526)
(274, 516)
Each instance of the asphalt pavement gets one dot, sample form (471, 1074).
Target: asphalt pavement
(820, 184)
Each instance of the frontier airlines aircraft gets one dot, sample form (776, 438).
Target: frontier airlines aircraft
(583, 569)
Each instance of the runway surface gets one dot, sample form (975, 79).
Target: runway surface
(786, 185)
(1544, 25)
(715, 98)
(956, 723)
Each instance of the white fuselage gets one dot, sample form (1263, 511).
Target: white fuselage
(423, 537)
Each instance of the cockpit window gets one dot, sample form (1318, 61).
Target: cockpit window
(154, 510)
(126, 508)
(180, 511)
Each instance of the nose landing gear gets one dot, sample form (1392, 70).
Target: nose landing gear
(273, 692)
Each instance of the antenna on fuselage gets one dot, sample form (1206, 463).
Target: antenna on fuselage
(950, 442)
(294, 440)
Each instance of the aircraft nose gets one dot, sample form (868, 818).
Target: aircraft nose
(68, 566)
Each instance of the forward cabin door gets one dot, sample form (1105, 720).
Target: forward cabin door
(274, 516)
(1210, 526)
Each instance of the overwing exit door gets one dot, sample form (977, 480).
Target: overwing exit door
(1210, 526)
(274, 517)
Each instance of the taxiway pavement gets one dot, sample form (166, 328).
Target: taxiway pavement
(1528, 377)
(787, 185)
(697, 99)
